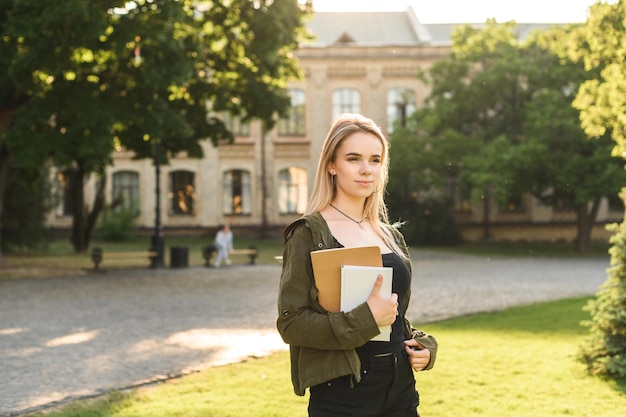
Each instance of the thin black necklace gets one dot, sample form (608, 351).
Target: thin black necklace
(354, 220)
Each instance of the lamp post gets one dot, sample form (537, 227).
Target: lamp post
(157, 239)
(264, 222)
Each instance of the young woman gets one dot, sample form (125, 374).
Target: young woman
(331, 353)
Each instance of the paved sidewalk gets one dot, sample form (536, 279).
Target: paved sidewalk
(67, 338)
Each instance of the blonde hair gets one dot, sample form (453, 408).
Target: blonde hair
(324, 188)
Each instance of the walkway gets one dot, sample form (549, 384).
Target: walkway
(67, 338)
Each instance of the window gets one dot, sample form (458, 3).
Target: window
(236, 192)
(66, 183)
(126, 190)
(182, 192)
(295, 123)
(346, 100)
(400, 105)
(235, 125)
(292, 191)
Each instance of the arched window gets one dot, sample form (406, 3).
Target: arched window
(126, 190)
(295, 123)
(237, 197)
(292, 191)
(346, 100)
(400, 105)
(182, 192)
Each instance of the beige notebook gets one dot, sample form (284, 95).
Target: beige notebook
(327, 270)
(357, 283)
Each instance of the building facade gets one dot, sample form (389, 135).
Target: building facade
(358, 62)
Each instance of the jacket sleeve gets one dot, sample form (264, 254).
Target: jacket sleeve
(301, 320)
(430, 343)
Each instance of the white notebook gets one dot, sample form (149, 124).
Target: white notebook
(357, 283)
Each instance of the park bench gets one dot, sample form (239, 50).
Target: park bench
(98, 256)
(252, 252)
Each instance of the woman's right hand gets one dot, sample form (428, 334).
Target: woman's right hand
(384, 309)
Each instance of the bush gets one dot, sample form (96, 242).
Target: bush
(26, 202)
(117, 225)
(429, 223)
(605, 351)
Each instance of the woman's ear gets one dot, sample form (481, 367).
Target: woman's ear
(331, 169)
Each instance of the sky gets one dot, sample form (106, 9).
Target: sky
(470, 11)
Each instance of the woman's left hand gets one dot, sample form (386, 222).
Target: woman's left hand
(419, 357)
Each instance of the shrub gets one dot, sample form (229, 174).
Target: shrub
(605, 351)
(117, 225)
(27, 200)
(428, 222)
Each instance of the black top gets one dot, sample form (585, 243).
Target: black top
(401, 283)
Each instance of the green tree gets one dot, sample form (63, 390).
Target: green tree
(420, 166)
(86, 77)
(555, 161)
(477, 97)
(28, 200)
(599, 44)
(500, 115)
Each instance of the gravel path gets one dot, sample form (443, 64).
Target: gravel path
(67, 338)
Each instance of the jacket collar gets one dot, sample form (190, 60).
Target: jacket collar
(322, 237)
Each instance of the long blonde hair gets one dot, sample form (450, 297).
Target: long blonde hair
(324, 188)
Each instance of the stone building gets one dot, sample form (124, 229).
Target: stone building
(364, 62)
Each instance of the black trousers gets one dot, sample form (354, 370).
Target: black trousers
(387, 389)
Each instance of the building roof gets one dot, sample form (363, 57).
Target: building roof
(362, 28)
(387, 28)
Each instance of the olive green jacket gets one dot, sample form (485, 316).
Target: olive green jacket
(322, 344)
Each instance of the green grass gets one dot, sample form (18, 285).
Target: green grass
(519, 362)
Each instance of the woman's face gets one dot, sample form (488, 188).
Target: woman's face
(357, 165)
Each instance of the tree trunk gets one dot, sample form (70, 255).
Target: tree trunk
(264, 191)
(98, 206)
(84, 220)
(585, 219)
(486, 217)
(5, 169)
(6, 119)
(77, 191)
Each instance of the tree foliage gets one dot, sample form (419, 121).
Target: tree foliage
(83, 78)
(28, 201)
(500, 118)
(599, 44)
(419, 168)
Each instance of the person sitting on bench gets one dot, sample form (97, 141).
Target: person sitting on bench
(223, 245)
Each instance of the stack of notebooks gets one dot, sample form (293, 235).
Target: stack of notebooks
(345, 278)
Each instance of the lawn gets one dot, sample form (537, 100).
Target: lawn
(519, 362)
